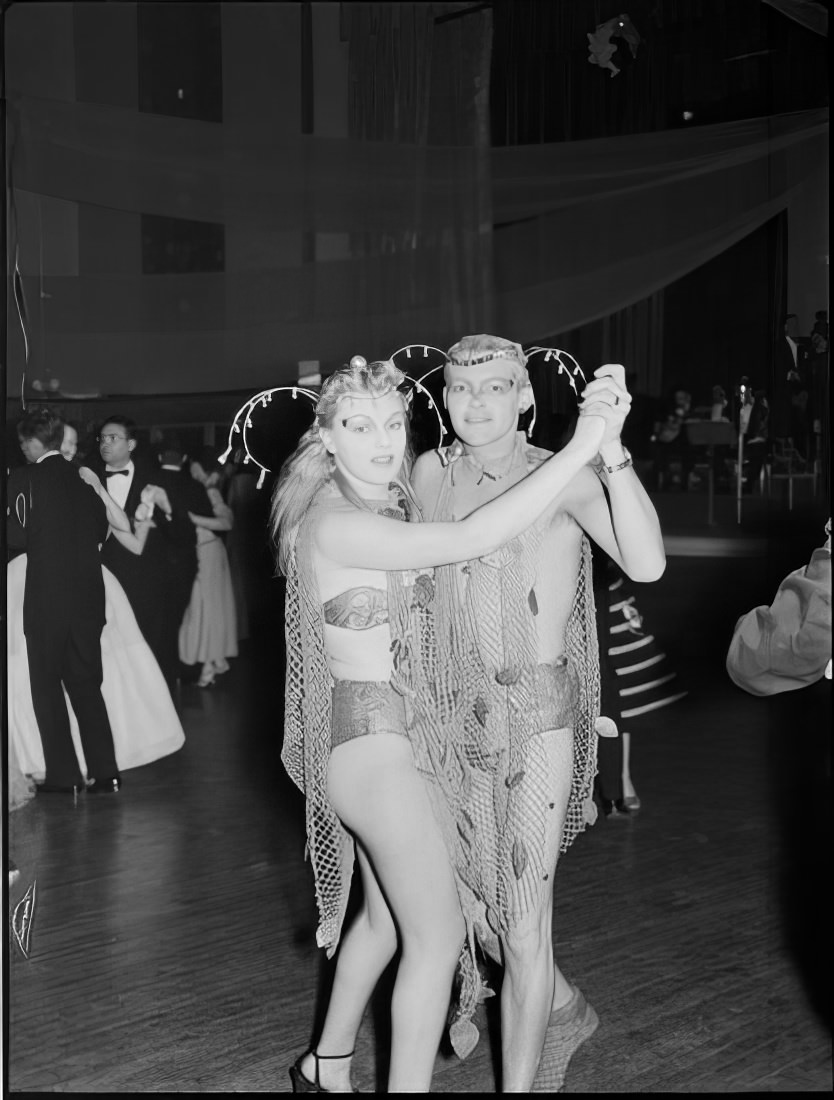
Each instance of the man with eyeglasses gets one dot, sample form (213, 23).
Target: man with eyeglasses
(519, 757)
(158, 581)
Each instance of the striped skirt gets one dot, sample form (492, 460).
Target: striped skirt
(645, 681)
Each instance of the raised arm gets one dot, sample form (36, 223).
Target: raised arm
(364, 540)
(621, 518)
(116, 516)
(223, 518)
(135, 541)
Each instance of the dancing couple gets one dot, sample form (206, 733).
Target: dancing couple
(441, 697)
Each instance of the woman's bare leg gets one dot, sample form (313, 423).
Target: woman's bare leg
(376, 791)
(628, 784)
(366, 949)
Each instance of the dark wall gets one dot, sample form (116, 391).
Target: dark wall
(719, 318)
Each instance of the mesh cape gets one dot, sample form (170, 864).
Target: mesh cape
(308, 707)
(307, 733)
(471, 731)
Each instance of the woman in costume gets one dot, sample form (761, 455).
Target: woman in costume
(355, 573)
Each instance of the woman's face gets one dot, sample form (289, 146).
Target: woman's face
(69, 447)
(367, 438)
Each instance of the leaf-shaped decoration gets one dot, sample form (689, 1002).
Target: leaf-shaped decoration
(519, 857)
(507, 676)
(481, 710)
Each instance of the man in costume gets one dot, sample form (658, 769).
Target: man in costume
(516, 635)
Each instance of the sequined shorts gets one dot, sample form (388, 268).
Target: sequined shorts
(362, 707)
(555, 696)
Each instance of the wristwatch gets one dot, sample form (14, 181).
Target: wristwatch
(627, 461)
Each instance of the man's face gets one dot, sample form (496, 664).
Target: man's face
(69, 447)
(485, 400)
(367, 438)
(114, 446)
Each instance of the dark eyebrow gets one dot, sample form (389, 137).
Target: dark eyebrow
(353, 416)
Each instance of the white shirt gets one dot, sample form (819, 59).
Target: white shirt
(792, 346)
(119, 486)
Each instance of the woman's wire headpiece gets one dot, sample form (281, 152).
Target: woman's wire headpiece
(242, 423)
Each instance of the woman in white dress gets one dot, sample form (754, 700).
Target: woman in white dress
(208, 634)
(142, 715)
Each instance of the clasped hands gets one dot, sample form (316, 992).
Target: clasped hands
(152, 496)
(607, 397)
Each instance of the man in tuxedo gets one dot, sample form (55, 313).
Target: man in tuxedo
(60, 522)
(789, 406)
(158, 582)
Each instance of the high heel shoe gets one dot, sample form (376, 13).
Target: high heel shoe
(302, 1083)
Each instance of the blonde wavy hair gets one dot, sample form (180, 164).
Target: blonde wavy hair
(310, 467)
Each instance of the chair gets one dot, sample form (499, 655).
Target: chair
(785, 463)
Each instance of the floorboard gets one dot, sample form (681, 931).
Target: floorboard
(173, 942)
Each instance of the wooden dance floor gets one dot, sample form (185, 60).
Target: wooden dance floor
(173, 949)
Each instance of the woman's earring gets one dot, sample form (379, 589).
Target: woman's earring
(532, 423)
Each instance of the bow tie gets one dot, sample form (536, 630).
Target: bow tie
(112, 473)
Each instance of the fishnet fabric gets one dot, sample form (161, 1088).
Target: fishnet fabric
(474, 691)
(307, 734)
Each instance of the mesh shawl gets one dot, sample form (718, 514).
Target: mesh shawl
(307, 732)
(308, 705)
(474, 691)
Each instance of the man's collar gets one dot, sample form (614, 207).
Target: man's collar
(458, 449)
(127, 466)
(48, 454)
(176, 469)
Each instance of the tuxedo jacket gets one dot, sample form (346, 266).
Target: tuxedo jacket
(60, 522)
(170, 553)
(783, 391)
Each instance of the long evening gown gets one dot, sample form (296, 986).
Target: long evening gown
(142, 715)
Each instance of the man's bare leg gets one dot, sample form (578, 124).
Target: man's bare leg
(533, 984)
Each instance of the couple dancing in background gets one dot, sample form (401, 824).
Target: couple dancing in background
(442, 697)
(86, 698)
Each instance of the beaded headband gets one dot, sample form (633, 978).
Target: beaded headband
(473, 350)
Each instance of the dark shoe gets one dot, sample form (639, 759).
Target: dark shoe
(615, 808)
(111, 785)
(302, 1083)
(58, 788)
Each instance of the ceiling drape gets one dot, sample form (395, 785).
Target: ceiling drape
(582, 229)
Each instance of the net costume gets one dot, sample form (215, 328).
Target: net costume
(308, 714)
(482, 698)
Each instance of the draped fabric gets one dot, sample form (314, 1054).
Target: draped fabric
(583, 229)
(807, 13)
